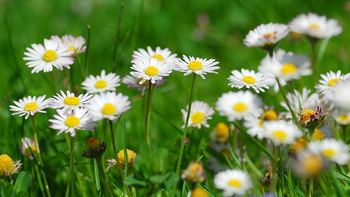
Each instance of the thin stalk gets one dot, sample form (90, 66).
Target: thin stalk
(274, 169)
(241, 139)
(344, 133)
(303, 185)
(116, 37)
(290, 85)
(37, 172)
(311, 187)
(69, 84)
(178, 167)
(80, 66)
(53, 82)
(313, 59)
(281, 171)
(39, 156)
(102, 172)
(148, 113)
(71, 166)
(87, 49)
(312, 132)
(201, 142)
(336, 133)
(324, 187)
(235, 134)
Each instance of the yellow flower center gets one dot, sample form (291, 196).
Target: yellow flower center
(312, 165)
(72, 101)
(240, 107)
(108, 109)
(35, 151)
(151, 71)
(71, 48)
(49, 56)
(235, 183)
(307, 115)
(197, 117)
(194, 167)
(221, 129)
(100, 84)
(270, 115)
(298, 146)
(329, 153)
(158, 57)
(195, 65)
(6, 165)
(280, 135)
(314, 26)
(318, 135)
(248, 79)
(199, 192)
(332, 82)
(345, 118)
(289, 68)
(72, 121)
(267, 35)
(131, 156)
(31, 106)
(92, 143)
(146, 83)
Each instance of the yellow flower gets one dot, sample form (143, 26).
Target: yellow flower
(318, 135)
(199, 192)
(131, 157)
(8, 166)
(298, 146)
(194, 173)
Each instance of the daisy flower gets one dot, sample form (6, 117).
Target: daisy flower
(266, 35)
(220, 132)
(310, 111)
(76, 43)
(281, 132)
(315, 26)
(334, 150)
(44, 57)
(101, 83)
(159, 54)
(233, 182)
(329, 80)
(287, 66)
(341, 116)
(69, 122)
(108, 105)
(8, 166)
(237, 105)
(133, 82)
(194, 173)
(131, 157)
(307, 164)
(30, 106)
(152, 70)
(255, 127)
(340, 94)
(24, 148)
(200, 113)
(248, 79)
(197, 65)
(69, 101)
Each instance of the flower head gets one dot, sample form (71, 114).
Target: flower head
(194, 173)
(8, 166)
(200, 113)
(237, 105)
(318, 135)
(159, 54)
(334, 150)
(51, 54)
(299, 146)
(108, 105)
(131, 157)
(76, 44)
(341, 116)
(281, 132)
(287, 66)
(329, 80)
(308, 164)
(94, 148)
(70, 121)
(101, 83)
(233, 182)
(248, 79)
(151, 70)
(266, 36)
(133, 82)
(220, 132)
(340, 94)
(69, 101)
(24, 148)
(30, 106)
(198, 192)
(315, 26)
(197, 65)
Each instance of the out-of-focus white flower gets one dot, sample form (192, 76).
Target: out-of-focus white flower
(133, 82)
(24, 148)
(159, 54)
(341, 116)
(76, 44)
(329, 80)
(340, 94)
(233, 182)
(200, 113)
(281, 132)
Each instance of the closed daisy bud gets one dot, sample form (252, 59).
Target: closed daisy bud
(198, 192)
(25, 149)
(220, 132)
(8, 166)
(194, 173)
(94, 148)
(131, 157)
(298, 146)
(308, 164)
(318, 135)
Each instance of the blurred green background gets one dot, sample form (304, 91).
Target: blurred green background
(200, 28)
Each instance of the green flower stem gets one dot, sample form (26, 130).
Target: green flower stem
(311, 188)
(148, 113)
(37, 172)
(102, 172)
(87, 49)
(274, 169)
(303, 185)
(313, 59)
(178, 167)
(53, 82)
(323, 185)
(116, 156)
(116, 38)
(312, 133)
(69, 84)
(201, 142)
(39, 156)
(80, 66)
(282, 171)
(241, 141)
(344, 132)
(71, 166)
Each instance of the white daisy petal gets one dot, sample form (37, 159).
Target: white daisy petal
(101, 83)
(30, 106)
